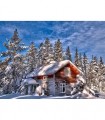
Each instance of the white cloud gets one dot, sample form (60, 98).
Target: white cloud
(87, 36)
(10, 29)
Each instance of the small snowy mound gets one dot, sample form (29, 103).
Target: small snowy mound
(86, 94)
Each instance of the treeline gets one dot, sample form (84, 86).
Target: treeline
(17, 65)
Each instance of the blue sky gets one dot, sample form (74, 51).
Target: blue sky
(88, 37)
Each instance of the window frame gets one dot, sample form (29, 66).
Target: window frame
(63, 87)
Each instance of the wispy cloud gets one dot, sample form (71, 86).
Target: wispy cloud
(89, 39)
(10, 29)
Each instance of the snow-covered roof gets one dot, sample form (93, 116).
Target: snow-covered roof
(49, 69)
(30, 81)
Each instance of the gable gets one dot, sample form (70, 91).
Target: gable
(71, 69)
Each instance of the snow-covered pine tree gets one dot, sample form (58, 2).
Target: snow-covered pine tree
(3, 65)
(101, 63)
(84, 63)
(90, 75)
(32, 58)
(68, 54)
(101, 75)
(58, 51)
(80, 65)
(13, 72)
(4, 80)
(45, 53)
(76, 60)
(93, 74)
(1, 74)
(41, 55)
(49, 54)
(85, 67)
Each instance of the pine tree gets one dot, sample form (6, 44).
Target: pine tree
(2, 68)
(13, 71)
(95, 59)
(92, 57)
(32, 57)
(48, 55)
(68, 54)
(101, 75)
(101, 63)
(85, 67)
(84, 63)
(3, 65)
(93, 74)
(90, 76)
(80, 65)
(76, 58)
(41, 54)
(58, 51)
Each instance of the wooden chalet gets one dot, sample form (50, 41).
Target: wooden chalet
(55, 77)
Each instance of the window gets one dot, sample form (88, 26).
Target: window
(62, 87)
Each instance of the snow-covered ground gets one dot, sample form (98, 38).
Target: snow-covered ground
(76, 96)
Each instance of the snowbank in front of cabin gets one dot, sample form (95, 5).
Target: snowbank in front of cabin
(84, 95)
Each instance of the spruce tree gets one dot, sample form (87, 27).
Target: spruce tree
(85, 67)
(13, 71)
(101, 75)
(58, 51)
(80, 65)
(49, 54)
(101, 63)
(68, 54)
(84, 63)
(76, 58)
(41, 55)
(32, 57)
(93, 74)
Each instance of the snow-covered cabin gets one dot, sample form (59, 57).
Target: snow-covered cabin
(56, 77)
